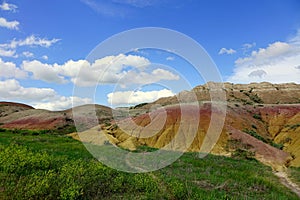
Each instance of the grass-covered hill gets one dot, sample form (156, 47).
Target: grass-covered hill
(37, 165)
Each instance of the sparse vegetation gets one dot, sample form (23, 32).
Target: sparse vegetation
(253, 126)
(294, 174)
(243, 154)
(240, 150)
(293, 126)
(286, 140)
(57, 167)
(253, 97)
(138, 106)
(257, 116)
(259, 137)
(107, 124)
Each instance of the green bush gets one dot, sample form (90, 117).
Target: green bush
(267, 141)
(243, 154)
(257, 116)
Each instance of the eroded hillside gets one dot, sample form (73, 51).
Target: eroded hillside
(262, 121)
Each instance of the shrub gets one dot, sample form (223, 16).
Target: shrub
(243, 154)
(257, 116)
(293, 126)
(253, 126)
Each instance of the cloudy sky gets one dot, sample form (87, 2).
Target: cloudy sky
(44, 47)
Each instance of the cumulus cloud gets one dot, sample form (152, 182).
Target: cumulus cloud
(136, 97)
(275, 63)
(226, 51)
(43, 98)
(9, 70)
(274, 52)
(11, 89)
(44, 72)
(136, 77)
(8, 7)
(13, 25)
(121, 69)
(62, 103)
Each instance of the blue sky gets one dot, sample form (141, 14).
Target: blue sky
(44, 43)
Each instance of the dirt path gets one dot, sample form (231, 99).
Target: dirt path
(285, 180)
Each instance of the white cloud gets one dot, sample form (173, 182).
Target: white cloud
(11, 90)
(45, 57)
(9, 49)
(137, 77)
(275, 51)
(106, 8)
(9, 70)
(122, 69)
(247, 46)
(8, 7)
(275, 63)
(14, 25)
(43, 98)
(170, 58)
(44, 72)
(226, 51)
(28, 54)
(62, 103)
(137, 3)
(136, 97)
(30, 41)
(7, 53)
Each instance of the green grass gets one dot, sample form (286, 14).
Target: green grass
(57, 167)
(294, 174)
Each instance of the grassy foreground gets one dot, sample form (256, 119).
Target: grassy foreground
(44, 166)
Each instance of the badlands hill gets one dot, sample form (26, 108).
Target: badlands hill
(262, 121)
(20, 116)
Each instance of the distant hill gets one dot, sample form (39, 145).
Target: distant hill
(20, 116)
(7, 108)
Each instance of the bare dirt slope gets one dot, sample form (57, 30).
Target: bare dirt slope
(240, 123)
(7, 108)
